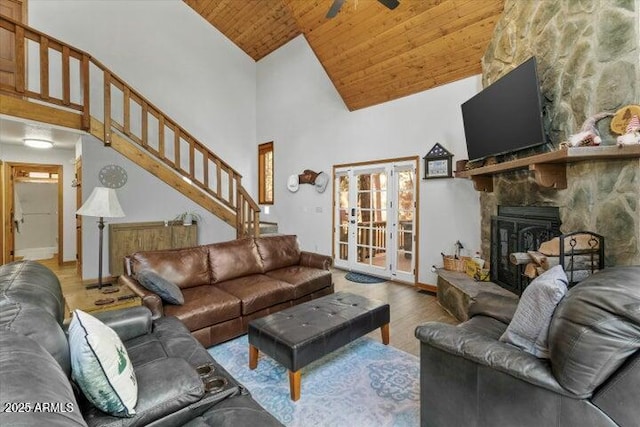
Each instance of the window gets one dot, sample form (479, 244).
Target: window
(265, 173)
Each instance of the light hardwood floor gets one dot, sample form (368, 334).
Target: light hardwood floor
(409, 307)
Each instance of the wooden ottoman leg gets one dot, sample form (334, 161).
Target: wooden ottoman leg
(253, 357)
(385, 333)
(294, 384)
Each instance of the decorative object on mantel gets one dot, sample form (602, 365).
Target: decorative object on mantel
(318, 179)
(588, 135)
(437, 163)
(626, 123)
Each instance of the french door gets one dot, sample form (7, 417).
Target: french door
(374, 217)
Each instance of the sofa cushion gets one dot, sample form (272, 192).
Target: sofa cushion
(529, 326)
(101, 367)
(204, 306)
(29, 375)
(278, 251)
(305, 280)
(165, 289)
(596, 328)
(166, 386)
(31, 304)
(232, 259)
(186, 267)
(258, 291)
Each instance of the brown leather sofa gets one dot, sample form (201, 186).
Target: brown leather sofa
(226, 285)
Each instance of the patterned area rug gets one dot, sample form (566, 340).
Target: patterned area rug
(363, 278)
(364, 383)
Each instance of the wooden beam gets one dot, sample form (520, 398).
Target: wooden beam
(24, 109)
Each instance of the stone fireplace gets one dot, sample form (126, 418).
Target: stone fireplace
(588, 57)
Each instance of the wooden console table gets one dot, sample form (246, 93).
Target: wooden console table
(127, 238)
(456, 290)
(549, 168)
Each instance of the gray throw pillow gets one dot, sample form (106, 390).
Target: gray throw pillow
(529, 327)
(169, 292)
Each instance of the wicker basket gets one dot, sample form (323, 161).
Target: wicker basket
(453, 264)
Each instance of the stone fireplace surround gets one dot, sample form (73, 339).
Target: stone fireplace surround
(588, 57)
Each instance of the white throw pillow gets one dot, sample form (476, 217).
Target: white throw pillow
(101, 367)
(529, 327)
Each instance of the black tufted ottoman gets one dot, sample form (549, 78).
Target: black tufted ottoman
(301, 334)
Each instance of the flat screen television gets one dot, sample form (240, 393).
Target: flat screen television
(506, 116)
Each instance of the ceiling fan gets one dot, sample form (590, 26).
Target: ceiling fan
(337, 4)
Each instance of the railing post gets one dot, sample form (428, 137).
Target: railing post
(20, 59)
(107, 107)
(44, 67)
(86, 95)
(66, 78)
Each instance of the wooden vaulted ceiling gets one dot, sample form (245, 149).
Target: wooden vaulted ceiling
(372, 54)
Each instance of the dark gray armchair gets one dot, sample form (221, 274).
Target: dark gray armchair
(592, 378)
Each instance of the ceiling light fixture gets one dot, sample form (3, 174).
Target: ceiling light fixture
(38, 143)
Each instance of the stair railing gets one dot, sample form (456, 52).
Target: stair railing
(73, 80)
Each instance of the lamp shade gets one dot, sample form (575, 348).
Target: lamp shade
(102, 202)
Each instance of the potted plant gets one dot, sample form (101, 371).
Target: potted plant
(188, 217)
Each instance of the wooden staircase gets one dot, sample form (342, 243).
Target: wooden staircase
(87, 96)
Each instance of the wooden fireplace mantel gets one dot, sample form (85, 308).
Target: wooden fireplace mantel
(549, 169)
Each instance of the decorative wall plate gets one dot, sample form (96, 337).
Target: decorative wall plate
(622, 118)
(292, 183)
(113, 176)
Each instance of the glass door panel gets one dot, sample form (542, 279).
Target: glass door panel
(343, 217)
(371, 219)
(404, 265)
(406, 199)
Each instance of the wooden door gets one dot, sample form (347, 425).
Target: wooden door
(8, 213)
(16, 10)
(78, 185)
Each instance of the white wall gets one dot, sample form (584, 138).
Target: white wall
(143, 198)
(54, 156)
(300, 110)
(174, 58)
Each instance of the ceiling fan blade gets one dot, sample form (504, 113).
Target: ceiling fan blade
(335, 8)
(391, 4)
